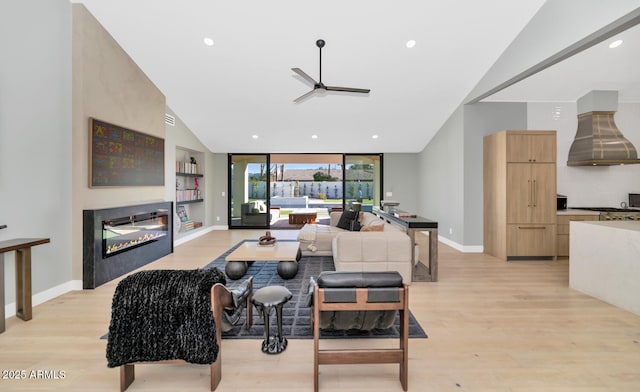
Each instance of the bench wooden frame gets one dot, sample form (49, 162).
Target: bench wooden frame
(221, 299)
(398, 355)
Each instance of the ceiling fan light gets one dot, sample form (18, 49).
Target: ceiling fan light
(411, 43)
(208, 41)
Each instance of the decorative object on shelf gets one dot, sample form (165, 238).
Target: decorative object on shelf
(267, 239)
(182, 213)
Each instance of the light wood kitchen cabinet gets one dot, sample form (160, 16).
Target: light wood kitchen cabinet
(562, 225)
(520, 194)
(528, 147)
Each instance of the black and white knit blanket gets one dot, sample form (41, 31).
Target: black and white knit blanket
(164, 314)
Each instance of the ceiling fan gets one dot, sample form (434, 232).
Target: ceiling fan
(319, 85)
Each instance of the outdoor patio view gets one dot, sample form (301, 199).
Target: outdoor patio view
(309, 190)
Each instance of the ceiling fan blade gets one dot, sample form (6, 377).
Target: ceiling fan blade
(303, 96)
(304, 75)
(348, 89)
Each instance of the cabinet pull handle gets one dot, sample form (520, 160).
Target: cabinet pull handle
(530, 193)
(532, 227)
(535, 193)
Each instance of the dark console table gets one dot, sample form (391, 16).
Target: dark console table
(22, 246)
(420, 272)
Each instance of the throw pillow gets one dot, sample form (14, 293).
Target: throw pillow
(355, 225)
(345, 220)
(374, 226)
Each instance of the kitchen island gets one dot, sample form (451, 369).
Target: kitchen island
(604, 261)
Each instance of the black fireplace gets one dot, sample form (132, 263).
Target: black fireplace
(121, 239)
(126, 232)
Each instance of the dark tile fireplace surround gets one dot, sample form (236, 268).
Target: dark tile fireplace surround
(118, 240)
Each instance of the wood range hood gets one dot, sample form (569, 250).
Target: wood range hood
(598, 140)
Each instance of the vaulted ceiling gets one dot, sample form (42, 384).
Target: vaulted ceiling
(243, 86)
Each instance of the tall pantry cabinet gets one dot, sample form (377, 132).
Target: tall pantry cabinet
(520, 194)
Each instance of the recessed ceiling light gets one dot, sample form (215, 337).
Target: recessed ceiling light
(208, 41)
(255, 136)
(411, 43)
(615, 43)
(314, 136)
(374, 136)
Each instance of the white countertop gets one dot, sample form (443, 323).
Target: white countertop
(603, 261)
(570, 211)
(624, 225)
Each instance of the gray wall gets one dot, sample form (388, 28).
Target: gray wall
(400, 177)
(450, 167)
(441, 173)
(35, 140)
(482, 119)
(219, 178)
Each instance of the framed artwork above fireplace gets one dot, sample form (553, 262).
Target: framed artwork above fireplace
(119, 156)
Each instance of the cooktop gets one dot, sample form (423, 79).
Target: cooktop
(606, 209)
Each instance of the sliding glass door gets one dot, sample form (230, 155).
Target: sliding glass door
(264, 189)
(248, 196)
(363, 180)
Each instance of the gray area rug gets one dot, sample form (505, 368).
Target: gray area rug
(296, 313)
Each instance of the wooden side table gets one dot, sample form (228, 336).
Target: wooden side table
(22, 246)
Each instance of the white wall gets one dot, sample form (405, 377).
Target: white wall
(557, 25)
(35, 139)
(590, 186)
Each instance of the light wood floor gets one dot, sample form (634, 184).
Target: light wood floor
(492, 326)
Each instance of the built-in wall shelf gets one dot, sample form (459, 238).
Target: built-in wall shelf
(189, 201)
(189, 174)
(190, 181)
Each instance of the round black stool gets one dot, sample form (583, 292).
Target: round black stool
(264, 299)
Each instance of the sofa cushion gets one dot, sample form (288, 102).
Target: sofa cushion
(369, 252)
(337, 279)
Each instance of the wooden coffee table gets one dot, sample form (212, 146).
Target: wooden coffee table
(298, 217)
(286, 253)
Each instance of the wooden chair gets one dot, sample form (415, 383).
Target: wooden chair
(221, 300)
(359, 297)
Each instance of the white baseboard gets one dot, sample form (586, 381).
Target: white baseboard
(197, 233)
(461, 248)
(44, 296)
